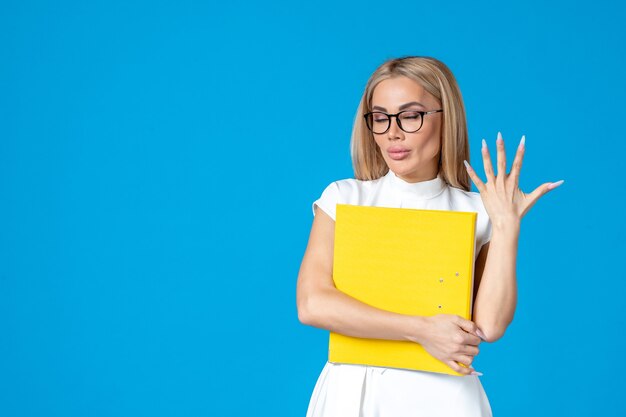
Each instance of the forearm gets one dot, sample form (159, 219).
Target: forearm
(338, 312)
(496, 299)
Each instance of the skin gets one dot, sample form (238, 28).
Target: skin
(422, 163)
(449, 338)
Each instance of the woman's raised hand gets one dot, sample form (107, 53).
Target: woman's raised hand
(501, 196)
(451, 339)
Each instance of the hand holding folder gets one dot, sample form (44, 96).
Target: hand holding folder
(409, 261)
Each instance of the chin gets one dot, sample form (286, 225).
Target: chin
(402, 167)
(406, 169)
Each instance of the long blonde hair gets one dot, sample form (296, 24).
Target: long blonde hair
(437, 79)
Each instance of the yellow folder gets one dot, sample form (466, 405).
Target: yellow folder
(409, 261)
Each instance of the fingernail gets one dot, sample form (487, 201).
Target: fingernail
(477, 373)
(466, 164)
(499, 137)
(484, 144)
(522, 142)
(481, 334)
(555, 184)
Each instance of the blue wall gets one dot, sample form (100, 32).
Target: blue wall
(158, 161)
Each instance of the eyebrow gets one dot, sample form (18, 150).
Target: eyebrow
(402, 107)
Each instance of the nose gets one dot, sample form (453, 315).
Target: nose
(394, 131)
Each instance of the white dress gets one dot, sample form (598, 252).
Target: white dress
(347, 390)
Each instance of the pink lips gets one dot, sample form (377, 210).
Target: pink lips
(398, 152)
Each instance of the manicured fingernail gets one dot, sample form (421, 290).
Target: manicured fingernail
(481, 334)
(484, 144)
(522, 142)
(555, 184)
(466, 164)
(499, 137)
(477, 373)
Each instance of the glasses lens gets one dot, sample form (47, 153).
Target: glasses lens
(411, 121)
(377, 122)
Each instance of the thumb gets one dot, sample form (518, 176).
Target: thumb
(533, 197)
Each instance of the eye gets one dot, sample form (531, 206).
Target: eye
(410, 115)
(380, 118)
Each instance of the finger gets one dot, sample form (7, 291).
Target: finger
(487, 163)
(467, 325)
(471, 339)
(553, 185)
(466, 338)
(464, 359)
(517, 162)
(538, 192)
(501, 157)
(470, 350)
(458, 368)
(475, 178)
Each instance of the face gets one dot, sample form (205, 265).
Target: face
(419, 156)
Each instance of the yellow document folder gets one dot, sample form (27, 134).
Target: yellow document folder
(409, 261)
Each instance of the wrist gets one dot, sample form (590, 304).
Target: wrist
(509, 226)
(417, 326)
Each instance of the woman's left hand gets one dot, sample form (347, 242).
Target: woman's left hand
(501, 196)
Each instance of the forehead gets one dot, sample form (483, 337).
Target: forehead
(393, 92)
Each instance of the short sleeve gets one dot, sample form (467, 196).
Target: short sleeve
(485, 234)
(328, 200)
(487, 237)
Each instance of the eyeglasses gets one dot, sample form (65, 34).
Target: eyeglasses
(409, 121)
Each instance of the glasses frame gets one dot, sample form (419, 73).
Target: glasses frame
(396, 115)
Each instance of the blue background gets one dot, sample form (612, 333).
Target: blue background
(158, 161)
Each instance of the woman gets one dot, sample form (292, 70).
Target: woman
(409, 149)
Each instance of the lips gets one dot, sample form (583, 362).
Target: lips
(398, 152)
(395, 149)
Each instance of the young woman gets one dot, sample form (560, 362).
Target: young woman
(409, 149)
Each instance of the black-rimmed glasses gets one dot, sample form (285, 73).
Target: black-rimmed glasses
(409, 121)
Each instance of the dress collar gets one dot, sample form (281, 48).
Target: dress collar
(420, 190)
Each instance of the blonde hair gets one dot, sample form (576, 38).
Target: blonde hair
(437, 79)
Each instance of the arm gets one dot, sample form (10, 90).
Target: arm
(506, 204)
(449, 338)
(321, 304)
(496, 290)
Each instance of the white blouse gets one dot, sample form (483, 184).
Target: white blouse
(349, 390)
(392, 191)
